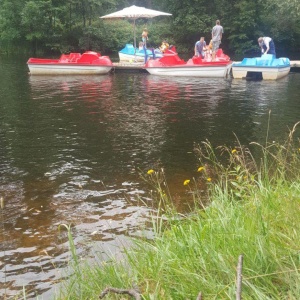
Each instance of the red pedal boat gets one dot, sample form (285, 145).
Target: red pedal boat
(173, 65)
(89, 62)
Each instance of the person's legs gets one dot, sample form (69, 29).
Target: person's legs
(145, 51)
(272, 48)
(214, 49)
(153, 52)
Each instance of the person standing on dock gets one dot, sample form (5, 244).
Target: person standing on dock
(216, 35)
(145, 39)
(267, 45)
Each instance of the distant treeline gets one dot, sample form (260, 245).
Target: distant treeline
(74, 25)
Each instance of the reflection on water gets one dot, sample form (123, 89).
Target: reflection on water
(71, 149)
(87, 87)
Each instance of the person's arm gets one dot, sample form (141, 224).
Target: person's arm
(195, 50)
(267, 43)
(221, 33)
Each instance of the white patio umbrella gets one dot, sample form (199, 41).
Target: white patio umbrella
(134, 12)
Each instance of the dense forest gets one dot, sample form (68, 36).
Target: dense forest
(47, 26)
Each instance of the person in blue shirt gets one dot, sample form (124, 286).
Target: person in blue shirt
(200, 47)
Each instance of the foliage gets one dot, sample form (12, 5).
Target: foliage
(191, 19)
(53, 25)
(36, 21)
(10, 31)
(281, 21)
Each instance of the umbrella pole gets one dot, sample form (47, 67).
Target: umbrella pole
(134, 38)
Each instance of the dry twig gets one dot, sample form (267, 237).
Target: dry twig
(134, 292)
(239, 277)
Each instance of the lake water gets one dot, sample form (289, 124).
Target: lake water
(72, 149)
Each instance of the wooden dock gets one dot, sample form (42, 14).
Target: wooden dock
(139, 66)
(128, 66)
(295, 63)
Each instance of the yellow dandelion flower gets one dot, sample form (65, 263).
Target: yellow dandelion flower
(208, 179)
(150, 172)
(233, 151)
(200, 169)
(299, 149)
(186, 182)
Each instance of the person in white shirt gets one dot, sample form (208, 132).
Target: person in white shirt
(267, 45)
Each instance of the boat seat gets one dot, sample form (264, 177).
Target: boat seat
(282, 61)
(171, 60)
(88, 57)
(197, 60)
(220, 53)
(129, 49)
(263, 62)
(172, 48)
(73, 57)
(64, 58)
(249, 61)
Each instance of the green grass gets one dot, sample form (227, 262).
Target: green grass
(253, 209)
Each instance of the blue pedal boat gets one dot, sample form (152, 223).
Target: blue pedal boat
(128, 53)
(266, 67)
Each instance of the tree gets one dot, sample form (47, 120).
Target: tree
(281, 22)
(10, 21)
(241, 19)
(37, 20)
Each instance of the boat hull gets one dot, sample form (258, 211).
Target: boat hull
(67, 69)
(268, 73)
(192, 71)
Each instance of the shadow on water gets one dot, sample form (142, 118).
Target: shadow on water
(72, 147)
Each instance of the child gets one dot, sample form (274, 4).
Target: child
(141, 45)
(145, 37)
(209, 51)
(164, 46)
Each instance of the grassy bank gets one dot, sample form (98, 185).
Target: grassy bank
(242, 206)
